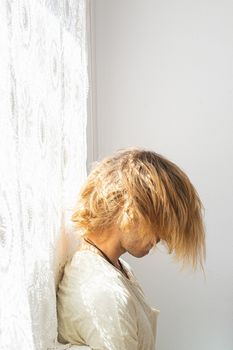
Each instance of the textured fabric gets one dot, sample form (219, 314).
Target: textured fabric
(100, 307)
(43, 115)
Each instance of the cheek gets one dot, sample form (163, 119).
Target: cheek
(146, 239)
(134, 243)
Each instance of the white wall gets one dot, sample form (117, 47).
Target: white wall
(164, 81)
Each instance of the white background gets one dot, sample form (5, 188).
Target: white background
(162, 75)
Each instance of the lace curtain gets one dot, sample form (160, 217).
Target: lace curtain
(43, 109)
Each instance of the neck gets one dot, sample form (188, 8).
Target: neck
(109, 243)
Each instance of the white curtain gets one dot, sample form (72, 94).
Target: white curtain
(43, 109)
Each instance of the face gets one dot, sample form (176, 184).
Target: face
(138, 244)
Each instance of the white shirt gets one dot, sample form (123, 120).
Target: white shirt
(98, 306)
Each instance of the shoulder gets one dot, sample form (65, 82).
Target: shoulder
(94, 290)
(91, 271)
(86, 261)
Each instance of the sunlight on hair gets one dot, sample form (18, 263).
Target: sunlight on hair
(139, 188)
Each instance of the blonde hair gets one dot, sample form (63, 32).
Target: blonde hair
(138, 188)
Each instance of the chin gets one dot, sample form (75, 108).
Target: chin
(140, 254)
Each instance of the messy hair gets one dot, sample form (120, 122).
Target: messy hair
(140, 189)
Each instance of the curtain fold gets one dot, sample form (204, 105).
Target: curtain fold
(43, 115)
